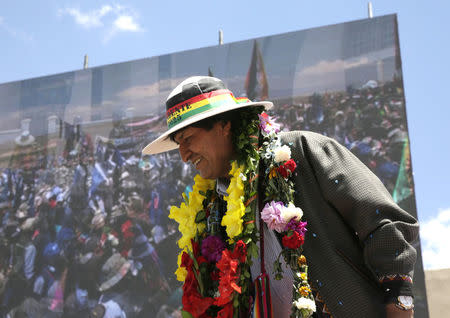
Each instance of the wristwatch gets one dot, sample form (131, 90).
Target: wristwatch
(405, 302)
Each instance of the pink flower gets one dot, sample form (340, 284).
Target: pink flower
(267, 124)
(212, 248)
(271, 214)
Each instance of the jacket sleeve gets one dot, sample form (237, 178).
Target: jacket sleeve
(385, 231)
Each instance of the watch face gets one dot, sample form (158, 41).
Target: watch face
(406, 301)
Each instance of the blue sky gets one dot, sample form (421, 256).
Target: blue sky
(51, 36)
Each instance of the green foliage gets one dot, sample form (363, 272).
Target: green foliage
(201, 216)
(186, 314)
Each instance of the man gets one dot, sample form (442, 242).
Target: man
(358, 242)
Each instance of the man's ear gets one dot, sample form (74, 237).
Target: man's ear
(226, 126)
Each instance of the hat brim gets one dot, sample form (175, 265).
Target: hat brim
(163, 142)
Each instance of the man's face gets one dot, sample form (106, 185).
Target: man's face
(210, 151)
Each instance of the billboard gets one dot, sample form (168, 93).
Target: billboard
(78, 195)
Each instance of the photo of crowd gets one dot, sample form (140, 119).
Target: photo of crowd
(90, 227)
(370, 121)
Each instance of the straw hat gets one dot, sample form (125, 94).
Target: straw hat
(193, 100)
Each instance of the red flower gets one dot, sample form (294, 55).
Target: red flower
(294, 241)
(195, 304)
(195, 248)
(190, 283)
(201, 260)
(186, 261)
(290, 165)
(283, 171)
(228, 277)
(287, 168)
(226, 312)
(192, 301)
(240, 251)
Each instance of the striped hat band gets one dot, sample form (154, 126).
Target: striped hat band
(199, 104)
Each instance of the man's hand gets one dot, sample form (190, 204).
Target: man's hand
(392, 311)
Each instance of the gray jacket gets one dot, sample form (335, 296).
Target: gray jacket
(358, 243)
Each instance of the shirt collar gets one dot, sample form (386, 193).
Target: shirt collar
(222, 185)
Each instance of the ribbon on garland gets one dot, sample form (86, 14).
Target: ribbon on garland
(263, 299)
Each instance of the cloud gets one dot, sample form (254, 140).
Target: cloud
(126, 23)
(111, 19)
(434, 237)
(332, 66)
(90, 19)
(311, 78)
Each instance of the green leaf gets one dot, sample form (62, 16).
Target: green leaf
(252, 250)
(201, 215)
(186, 314)
(235, 302)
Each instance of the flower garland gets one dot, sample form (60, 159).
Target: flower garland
(214, 262)
(281, 215)
(185, 217)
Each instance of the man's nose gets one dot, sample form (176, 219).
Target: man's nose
(184, 152)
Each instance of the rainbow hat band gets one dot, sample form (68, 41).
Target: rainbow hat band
(199, 104)
(195, 99)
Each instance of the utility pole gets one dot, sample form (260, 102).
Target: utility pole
(86, 59)
(369, 9)
(220, 37)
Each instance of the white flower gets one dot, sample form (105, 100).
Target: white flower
(290, 212)
(282, 154)
(305, 303)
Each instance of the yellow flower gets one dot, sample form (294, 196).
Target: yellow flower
(304, 291)
(232, 219)
(303, 276)
(185, 216)
(202, 184)
(301, 260)
(273, 173)
(181, 272)
(233, 223)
